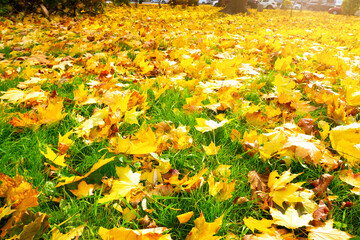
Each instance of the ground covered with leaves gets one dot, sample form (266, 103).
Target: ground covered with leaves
(173, 123)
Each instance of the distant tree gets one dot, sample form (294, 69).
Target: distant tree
(236, 6)
(68, 7)
(349, 7)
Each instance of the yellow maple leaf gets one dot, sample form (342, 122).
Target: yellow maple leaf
(13, 95)
(346, 141)
(302, 146)
(5, 211)
(52, 113)
(291, 219)
(204, 125)
(281, 189)
(97, 119)
(283, 64)
(143, 142)
(353, 179)
(83, 190)
(128, 181)
(75, 232)
(327, 232)
(353, 96)
(67, 180)
(82, 96)
(325, 129)
(128, 234)
(221, 190)
(64, 142)
(18, 192)
(263, 225)
(211, 149)
(54, 158)
(131, 116)
(204, 230)
(117, 100)
(184, 218)
(128, 214)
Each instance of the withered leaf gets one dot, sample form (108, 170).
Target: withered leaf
(321, 184)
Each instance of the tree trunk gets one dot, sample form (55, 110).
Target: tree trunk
(236, 6)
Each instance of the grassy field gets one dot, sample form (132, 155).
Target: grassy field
(125, 121)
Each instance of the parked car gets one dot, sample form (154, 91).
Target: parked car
(223, 3)
(297, 6)
(289, 5)
(319, 5)
(184, 2)
(335, 10)
(216, 3)
(204, 1)
(268, 4)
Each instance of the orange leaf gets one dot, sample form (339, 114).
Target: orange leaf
(184, 218)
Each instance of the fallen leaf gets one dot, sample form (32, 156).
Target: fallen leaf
(84, 190)
(67, 180)
(346, 141)
(327, 232)
(184, 218)
(57, 159)
(211, 149)
(291, 218)
(75, 232)
(350, 178)
(204, 125)
(262, 225)
(321, 184)
(321, 213)
(128, 181)
(204, 230)
(128, 234)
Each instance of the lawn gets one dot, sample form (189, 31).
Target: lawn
(180, 123)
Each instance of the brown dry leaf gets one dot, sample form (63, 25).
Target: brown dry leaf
(38, 226)
(307, 125)
(321, 184)
(321, 213)
(258, 182)
(38, 59)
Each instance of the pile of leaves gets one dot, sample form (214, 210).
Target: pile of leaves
(178, 123)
